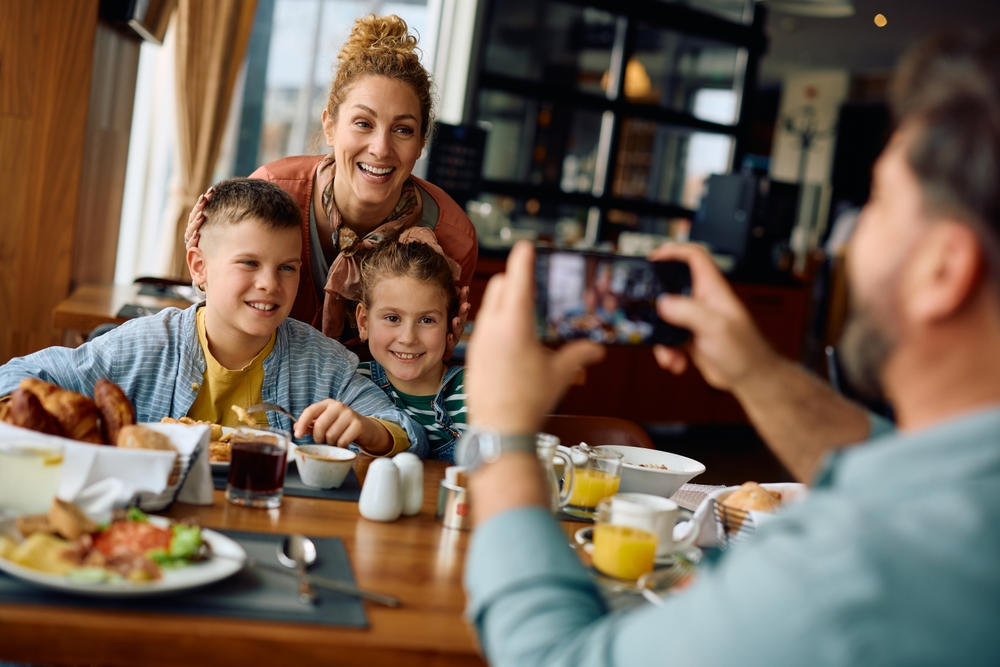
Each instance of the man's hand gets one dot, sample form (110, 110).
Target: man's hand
(332, 422)
(514, 381)
(726, 345)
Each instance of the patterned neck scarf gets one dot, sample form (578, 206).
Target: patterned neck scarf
(343, 284)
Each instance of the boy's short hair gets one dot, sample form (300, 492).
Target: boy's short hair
(237, 199)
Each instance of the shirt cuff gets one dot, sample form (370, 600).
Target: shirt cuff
(400, 441)
(517, 547)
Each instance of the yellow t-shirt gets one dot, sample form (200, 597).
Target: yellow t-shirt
(222, 388)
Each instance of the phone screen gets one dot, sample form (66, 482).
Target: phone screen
(606, 298)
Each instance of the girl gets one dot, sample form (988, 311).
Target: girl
(408, 300)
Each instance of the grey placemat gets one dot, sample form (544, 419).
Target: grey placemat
(251, 593)
(349, 490)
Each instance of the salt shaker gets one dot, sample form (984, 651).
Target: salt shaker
(411, 475)
(381, 499)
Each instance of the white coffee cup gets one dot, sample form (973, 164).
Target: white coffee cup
(667, 514)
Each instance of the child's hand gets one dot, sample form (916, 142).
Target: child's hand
(334, 423)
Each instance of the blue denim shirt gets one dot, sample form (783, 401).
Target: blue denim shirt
(893, 559)
(446, 425)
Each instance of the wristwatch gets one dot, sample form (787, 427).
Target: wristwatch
(479, 446)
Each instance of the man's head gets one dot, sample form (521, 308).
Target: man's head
(927, 247)
(248, 259)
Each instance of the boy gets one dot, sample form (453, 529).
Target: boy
(237, 347)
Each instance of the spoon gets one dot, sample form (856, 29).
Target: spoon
(298, 552)
(323, 582)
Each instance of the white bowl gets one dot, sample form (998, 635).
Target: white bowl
(637, 479)
(323, 466)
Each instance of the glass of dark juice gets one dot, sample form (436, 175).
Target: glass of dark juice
(257, 467)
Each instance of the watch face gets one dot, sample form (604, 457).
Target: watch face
(467, 454)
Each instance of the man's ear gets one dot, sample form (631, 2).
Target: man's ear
(361, 314)
(197, 266)
(947, 272)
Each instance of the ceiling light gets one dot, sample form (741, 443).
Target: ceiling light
(880, 20)
(814, 8)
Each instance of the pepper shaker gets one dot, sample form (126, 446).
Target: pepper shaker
(381, 499)
(411, 475)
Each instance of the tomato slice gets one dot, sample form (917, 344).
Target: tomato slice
(133, 537)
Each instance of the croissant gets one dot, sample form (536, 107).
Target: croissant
(25, 410)
(116, 410)
(75, 413)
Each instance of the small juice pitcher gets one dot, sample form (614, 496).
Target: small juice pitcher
(548, 450)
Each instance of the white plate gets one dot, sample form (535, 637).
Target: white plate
(224, 465)
(231, 557)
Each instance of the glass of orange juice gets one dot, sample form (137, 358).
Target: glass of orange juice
(597, 474)
(625, 536)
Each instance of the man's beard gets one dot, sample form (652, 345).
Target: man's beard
(864, 348)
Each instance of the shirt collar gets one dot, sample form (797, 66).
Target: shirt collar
(962, 448)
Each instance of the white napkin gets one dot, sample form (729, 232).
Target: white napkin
(99, 478)
(708, 535)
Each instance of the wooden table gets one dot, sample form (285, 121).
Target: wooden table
(92, 305)
(414, 559)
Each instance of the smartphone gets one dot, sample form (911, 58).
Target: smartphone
(610, 299)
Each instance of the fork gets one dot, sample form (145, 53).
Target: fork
(270, 407)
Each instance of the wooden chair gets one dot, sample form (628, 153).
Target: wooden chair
(574, 429)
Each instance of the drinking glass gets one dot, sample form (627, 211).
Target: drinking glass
(598, 473)
(625, 538)
(29, 477)
(257, 467)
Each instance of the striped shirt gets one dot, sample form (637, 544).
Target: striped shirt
(159, 364)
(442, 432)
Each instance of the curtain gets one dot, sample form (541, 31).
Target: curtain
(212, 39)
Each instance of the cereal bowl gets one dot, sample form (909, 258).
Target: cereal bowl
(323, 466)
(654, 472)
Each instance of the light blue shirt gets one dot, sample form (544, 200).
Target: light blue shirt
(894, 559)
(159, 364)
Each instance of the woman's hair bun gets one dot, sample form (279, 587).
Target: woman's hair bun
(384, 33)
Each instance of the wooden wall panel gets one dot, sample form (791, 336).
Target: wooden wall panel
(102, 184)
(46, 55)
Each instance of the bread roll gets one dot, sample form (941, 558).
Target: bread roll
(116, 410)
(752, 496)
(26, 411)
(69, 520)
(76, 414)
(140, 437)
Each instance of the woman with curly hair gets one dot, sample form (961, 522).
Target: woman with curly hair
(376, 122)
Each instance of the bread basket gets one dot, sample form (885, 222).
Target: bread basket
(734, 526)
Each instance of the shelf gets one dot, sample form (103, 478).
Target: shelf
(573, 98)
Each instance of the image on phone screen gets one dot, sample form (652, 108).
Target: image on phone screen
(606, 298)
